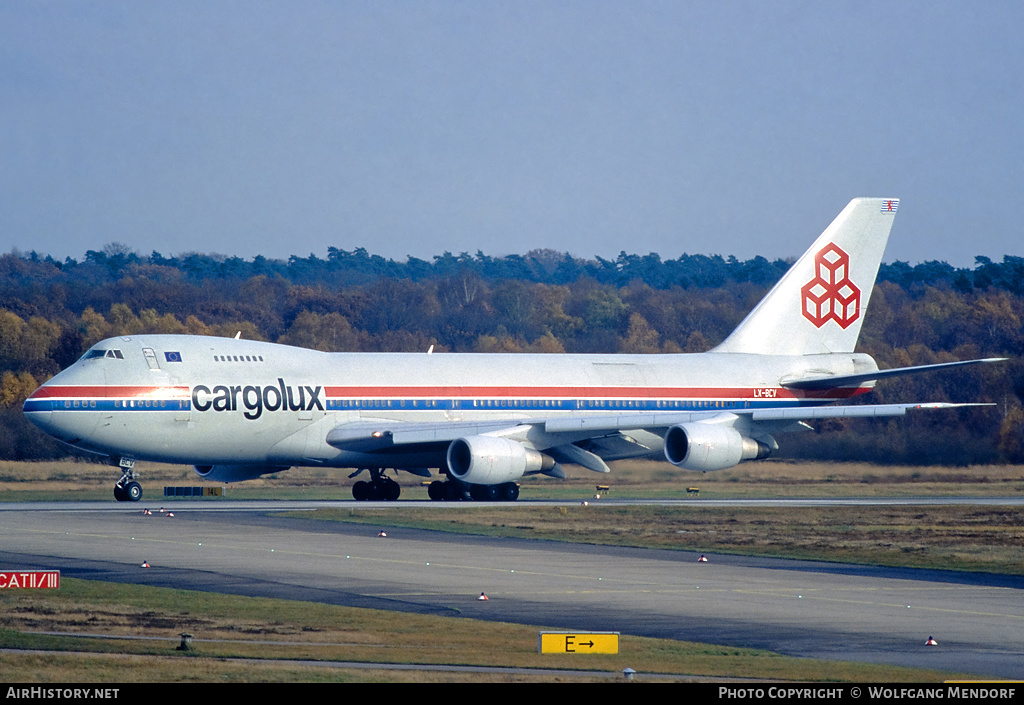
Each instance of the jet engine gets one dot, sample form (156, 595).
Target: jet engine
(490, 460)
(235, 473)
(704, 446)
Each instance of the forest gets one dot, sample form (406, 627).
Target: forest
(52, 311)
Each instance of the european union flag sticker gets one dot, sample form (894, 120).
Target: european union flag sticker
(173, 356)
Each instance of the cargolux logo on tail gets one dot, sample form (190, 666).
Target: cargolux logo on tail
(831, 295)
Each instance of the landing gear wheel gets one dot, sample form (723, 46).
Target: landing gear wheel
(451, 491)
(361, 491)
(390, 490)
(508, 492)
(505, 492)
(436, 490)
(483, 493)
(133, 492)
(454, 491)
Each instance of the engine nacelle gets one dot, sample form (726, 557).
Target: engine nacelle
(235, 473)
(704, 446)
(489, 460)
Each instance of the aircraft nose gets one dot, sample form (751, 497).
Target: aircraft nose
(64, 412)
(37, 408)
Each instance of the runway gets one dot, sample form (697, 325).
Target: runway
(798, 608)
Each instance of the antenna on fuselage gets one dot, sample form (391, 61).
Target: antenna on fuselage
(430, 350)
(238, 335)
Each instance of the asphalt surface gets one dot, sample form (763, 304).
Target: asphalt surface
(800, 608)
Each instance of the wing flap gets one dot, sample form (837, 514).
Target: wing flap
(846, 412)
(612, 423)
(619, 422)
(369, 435)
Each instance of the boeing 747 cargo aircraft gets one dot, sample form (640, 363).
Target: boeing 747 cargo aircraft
(238, 409)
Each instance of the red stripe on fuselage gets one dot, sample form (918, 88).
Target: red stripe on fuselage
(591, 392)
(753, 393)
(109, 392)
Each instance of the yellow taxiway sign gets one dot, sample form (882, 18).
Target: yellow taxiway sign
(578, 642)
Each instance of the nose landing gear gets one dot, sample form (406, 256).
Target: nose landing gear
(127, 489)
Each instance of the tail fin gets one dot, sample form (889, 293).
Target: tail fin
(818, 306)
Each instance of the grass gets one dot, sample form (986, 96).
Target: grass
(964, 538)
(245, 629)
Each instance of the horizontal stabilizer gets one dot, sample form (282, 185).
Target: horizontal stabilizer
(819, 383)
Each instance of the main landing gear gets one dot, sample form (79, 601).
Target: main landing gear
(378, 488)
(382, 488)
(127, 489)
(453, 491)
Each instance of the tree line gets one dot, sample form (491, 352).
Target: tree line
(51, 312)
(543, 266)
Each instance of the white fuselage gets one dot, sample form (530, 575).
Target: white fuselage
(208, 401)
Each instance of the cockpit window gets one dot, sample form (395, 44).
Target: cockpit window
(93, 354)
(150, 356)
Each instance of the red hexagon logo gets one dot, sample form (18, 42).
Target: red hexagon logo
(831, 295)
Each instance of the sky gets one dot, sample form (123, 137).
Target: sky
(415, 127)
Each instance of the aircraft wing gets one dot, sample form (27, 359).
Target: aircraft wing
(659, 420)
(589, 440)
(370, 435)
(832, 382)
